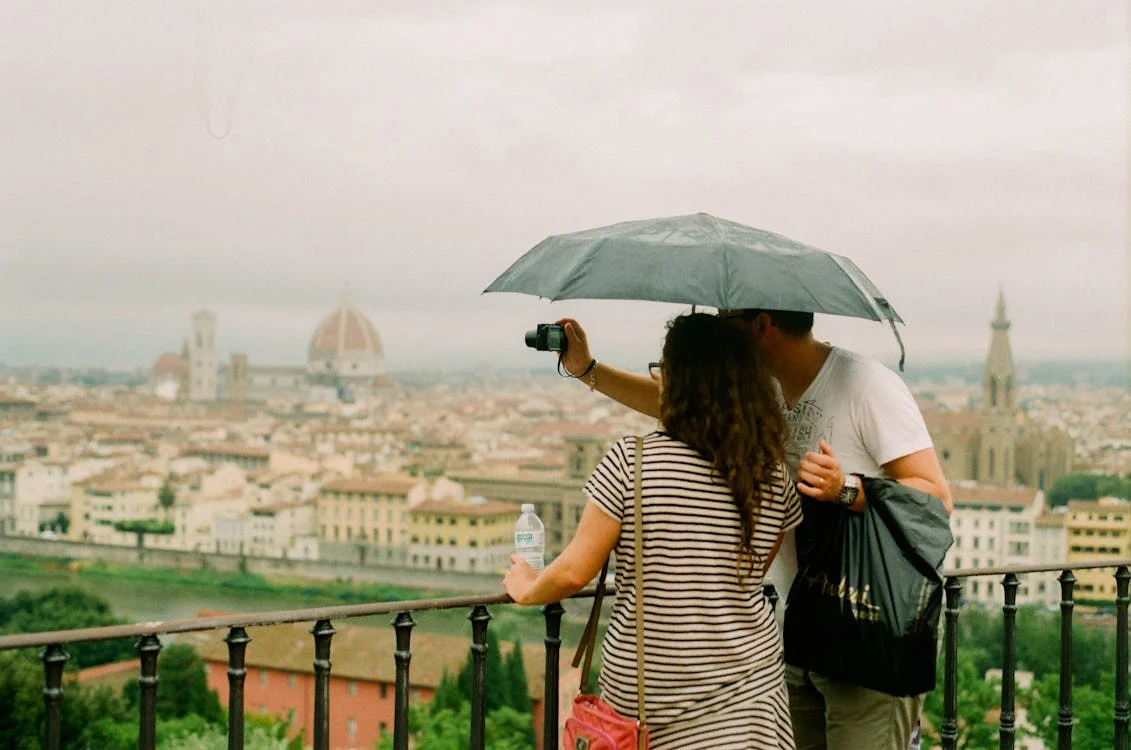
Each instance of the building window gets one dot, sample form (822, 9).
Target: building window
(292, 680)
(384, 690)
(351, 729)
(352, 687)
(262, 676)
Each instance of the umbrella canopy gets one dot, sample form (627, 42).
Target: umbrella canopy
(698, 260)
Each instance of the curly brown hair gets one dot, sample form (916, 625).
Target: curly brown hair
(718, 397)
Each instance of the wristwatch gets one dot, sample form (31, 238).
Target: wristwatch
(850, 491)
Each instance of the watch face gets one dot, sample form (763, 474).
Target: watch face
(848, 495)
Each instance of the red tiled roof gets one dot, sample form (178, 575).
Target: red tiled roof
(384, 485)
(1017, 497)
(168, 364)
(246, 451)
(448, 508)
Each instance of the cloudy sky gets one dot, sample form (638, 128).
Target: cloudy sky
(254, 156)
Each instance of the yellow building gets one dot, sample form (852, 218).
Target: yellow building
(473, 536)
(369, 510)
(1098, 530)
(555, 490)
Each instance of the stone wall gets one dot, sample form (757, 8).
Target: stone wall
(315, 570)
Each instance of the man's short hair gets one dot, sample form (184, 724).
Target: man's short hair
(791, 322)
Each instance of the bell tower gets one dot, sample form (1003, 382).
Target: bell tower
(997, 453)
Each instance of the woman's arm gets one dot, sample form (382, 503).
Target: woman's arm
(576, 566)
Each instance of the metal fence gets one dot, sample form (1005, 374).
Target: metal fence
(149, 645)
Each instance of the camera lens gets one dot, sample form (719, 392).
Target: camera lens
(532, 339)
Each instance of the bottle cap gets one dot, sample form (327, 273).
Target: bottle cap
(528, 507)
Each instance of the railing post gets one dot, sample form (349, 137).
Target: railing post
(553, 613)
(949, 729)
(323, 631)
(150, 647)
(54, 659)
(479, 618)
(1008, 730)
(1064, 712)
(403, 623)
(1122, 708)
(237, 640)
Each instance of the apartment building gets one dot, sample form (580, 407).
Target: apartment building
(472, 536)
(1000, 526)
(370, 513)
(554, 490)
(1098, 530)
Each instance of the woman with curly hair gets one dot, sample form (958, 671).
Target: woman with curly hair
(716, 499)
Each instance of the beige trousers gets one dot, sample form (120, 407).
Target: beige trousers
(829, 714)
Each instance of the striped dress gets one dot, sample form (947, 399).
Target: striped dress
(714, 673)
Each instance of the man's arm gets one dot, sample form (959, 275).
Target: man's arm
(639, 392)
(922, 471)
(821, 477)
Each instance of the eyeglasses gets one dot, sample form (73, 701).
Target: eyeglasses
(655, 369)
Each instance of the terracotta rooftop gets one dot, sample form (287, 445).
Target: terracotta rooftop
(168, 364)
(362, 653)
(448, 508)
(392, 484)
(1014, 497)
(224, 449)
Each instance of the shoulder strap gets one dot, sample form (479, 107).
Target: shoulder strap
(588, 642)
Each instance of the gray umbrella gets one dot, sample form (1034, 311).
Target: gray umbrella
(697, 260)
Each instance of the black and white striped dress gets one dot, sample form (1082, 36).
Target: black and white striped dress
(714, 673)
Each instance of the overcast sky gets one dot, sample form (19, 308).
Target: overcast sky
(254, 156)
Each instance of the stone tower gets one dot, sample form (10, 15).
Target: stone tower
(582, 454)
(203, 366)
(996, 459)
(237, 379)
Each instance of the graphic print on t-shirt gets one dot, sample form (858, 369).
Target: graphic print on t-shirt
(808, 426)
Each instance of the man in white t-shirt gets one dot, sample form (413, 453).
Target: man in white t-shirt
(848, 415)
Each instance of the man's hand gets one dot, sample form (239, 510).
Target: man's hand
(576, 356)
(820, 475)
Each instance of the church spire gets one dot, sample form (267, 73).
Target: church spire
(997, 382)
(1000, 322)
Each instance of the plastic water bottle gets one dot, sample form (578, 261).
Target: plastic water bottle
(530, 538)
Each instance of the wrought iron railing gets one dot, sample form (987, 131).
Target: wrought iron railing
(149, 645)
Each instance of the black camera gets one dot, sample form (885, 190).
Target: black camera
(547, 337)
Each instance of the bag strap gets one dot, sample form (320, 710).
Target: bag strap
(639, 528)
(588, 642)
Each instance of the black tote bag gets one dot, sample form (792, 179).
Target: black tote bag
(866, 602)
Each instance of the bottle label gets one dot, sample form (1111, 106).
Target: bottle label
(529, 538)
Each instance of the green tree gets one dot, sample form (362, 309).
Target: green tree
(23, 715)
(166, 496)
(448, 729)
(1092, 709)
(66, 608)
(447, 696)
(182, 688)
(62, 522)
(515, 670)
(497, 688)
(1079, 486)
(977, 697)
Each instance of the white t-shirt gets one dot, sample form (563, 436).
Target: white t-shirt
(866, 413)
